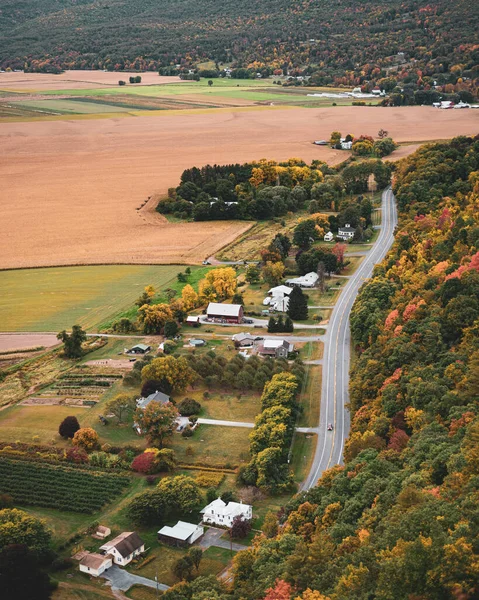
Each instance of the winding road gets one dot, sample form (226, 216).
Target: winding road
(334, 393)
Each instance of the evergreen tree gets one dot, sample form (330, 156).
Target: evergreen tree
(298, 305)
(272, 325)
(288, 325)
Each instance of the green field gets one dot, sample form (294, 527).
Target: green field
(56, 298)
(68, 107)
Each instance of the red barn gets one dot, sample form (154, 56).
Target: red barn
(231, 313)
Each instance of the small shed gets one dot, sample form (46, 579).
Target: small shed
(193, 320)
(95, 564)
(181, 535)
(102, 532)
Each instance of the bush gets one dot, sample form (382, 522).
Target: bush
(209, 480)
(188, 407)
(68, 427)
(187, 432)
(61, 564)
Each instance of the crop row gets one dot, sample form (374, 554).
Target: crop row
(58, 486)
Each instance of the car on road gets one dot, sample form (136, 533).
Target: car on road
(249, 321)
(330, 427)
(206, 262)
(320, 143)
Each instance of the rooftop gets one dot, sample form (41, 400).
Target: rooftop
(94, 561)
(224, 310)
(155, 397)
(181, 531)
(125, 543)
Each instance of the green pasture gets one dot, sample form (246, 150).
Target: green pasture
(52, 299)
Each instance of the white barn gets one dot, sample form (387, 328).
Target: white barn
(95, 564)
(182, 534)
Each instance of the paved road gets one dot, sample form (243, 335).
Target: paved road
(121, 579)
(334, 394)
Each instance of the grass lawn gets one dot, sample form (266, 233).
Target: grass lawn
(310, 398)
(141, 592)
(80, 587)
(213, 445)
(69, 107)
(354, 262)
(315, 298)
(311, 350)
(23, 423)
(52, 299)
(303, 451)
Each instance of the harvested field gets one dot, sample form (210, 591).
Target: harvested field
(28, 340)
(85, 181)
(76, 80)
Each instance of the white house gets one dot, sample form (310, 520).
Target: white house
(306, 281)
(328, 237)
(346, 145)
(346, 233)
(245, 340)
(275, 347)
(124, 548)
(220, 513)
(280, 290)
(95, 564)
(182, 534)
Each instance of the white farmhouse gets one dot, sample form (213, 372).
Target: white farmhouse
(220, 513)
(305, 281)
(124, 548)
(346, 233)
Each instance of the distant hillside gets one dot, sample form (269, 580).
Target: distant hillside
(347, 41)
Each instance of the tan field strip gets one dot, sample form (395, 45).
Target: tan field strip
(71, 188)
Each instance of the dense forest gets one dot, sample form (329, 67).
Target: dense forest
(400, 520)
(351, 42)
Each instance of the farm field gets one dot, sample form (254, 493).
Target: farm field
(90, 208)
(56, 298)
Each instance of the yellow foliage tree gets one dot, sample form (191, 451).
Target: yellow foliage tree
(218, 284)
(150, 291)
(86, 438)
(189, 297)
(154, 316)
(175, 370)
(312, 595)
(273, 272)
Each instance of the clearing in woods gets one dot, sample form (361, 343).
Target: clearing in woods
(56, 298)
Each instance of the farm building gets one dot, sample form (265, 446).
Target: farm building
(193, 320)
(275, 347)
(328, 237)
(245, 340)
(220, 513)
(155, 397)
(278, 298)
(102, 531)
(230, 313)
(95, 564)
(124, 547)
(182, 534)
(346, 233)
(138, 349)
(306, 281)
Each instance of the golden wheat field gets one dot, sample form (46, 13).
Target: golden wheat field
(73, 190)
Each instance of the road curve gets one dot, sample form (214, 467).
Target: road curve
(334, 392)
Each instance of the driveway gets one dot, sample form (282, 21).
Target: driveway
(213, 537)
(123, 580)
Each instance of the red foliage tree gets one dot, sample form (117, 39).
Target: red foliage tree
(280, 591)
(75, 454)
(398, 441)
(144, 463)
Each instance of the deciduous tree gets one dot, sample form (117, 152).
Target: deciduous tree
(156, 421)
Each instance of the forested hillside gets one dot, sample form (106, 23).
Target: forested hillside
(347, 42)
(400, 520)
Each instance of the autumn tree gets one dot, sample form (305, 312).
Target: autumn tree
(86, 438)
(252, 274)
(180, 493)
(273, 272)
(305, 234)
(121, 406)
(240, 527)
(189, 297)
(153, 317)
(19, 527)
(68, 427)
(146, 296)
(280, 591)
(270, 525)
(72, 343)
(156, 421)
(174, 370)
(222, 281)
